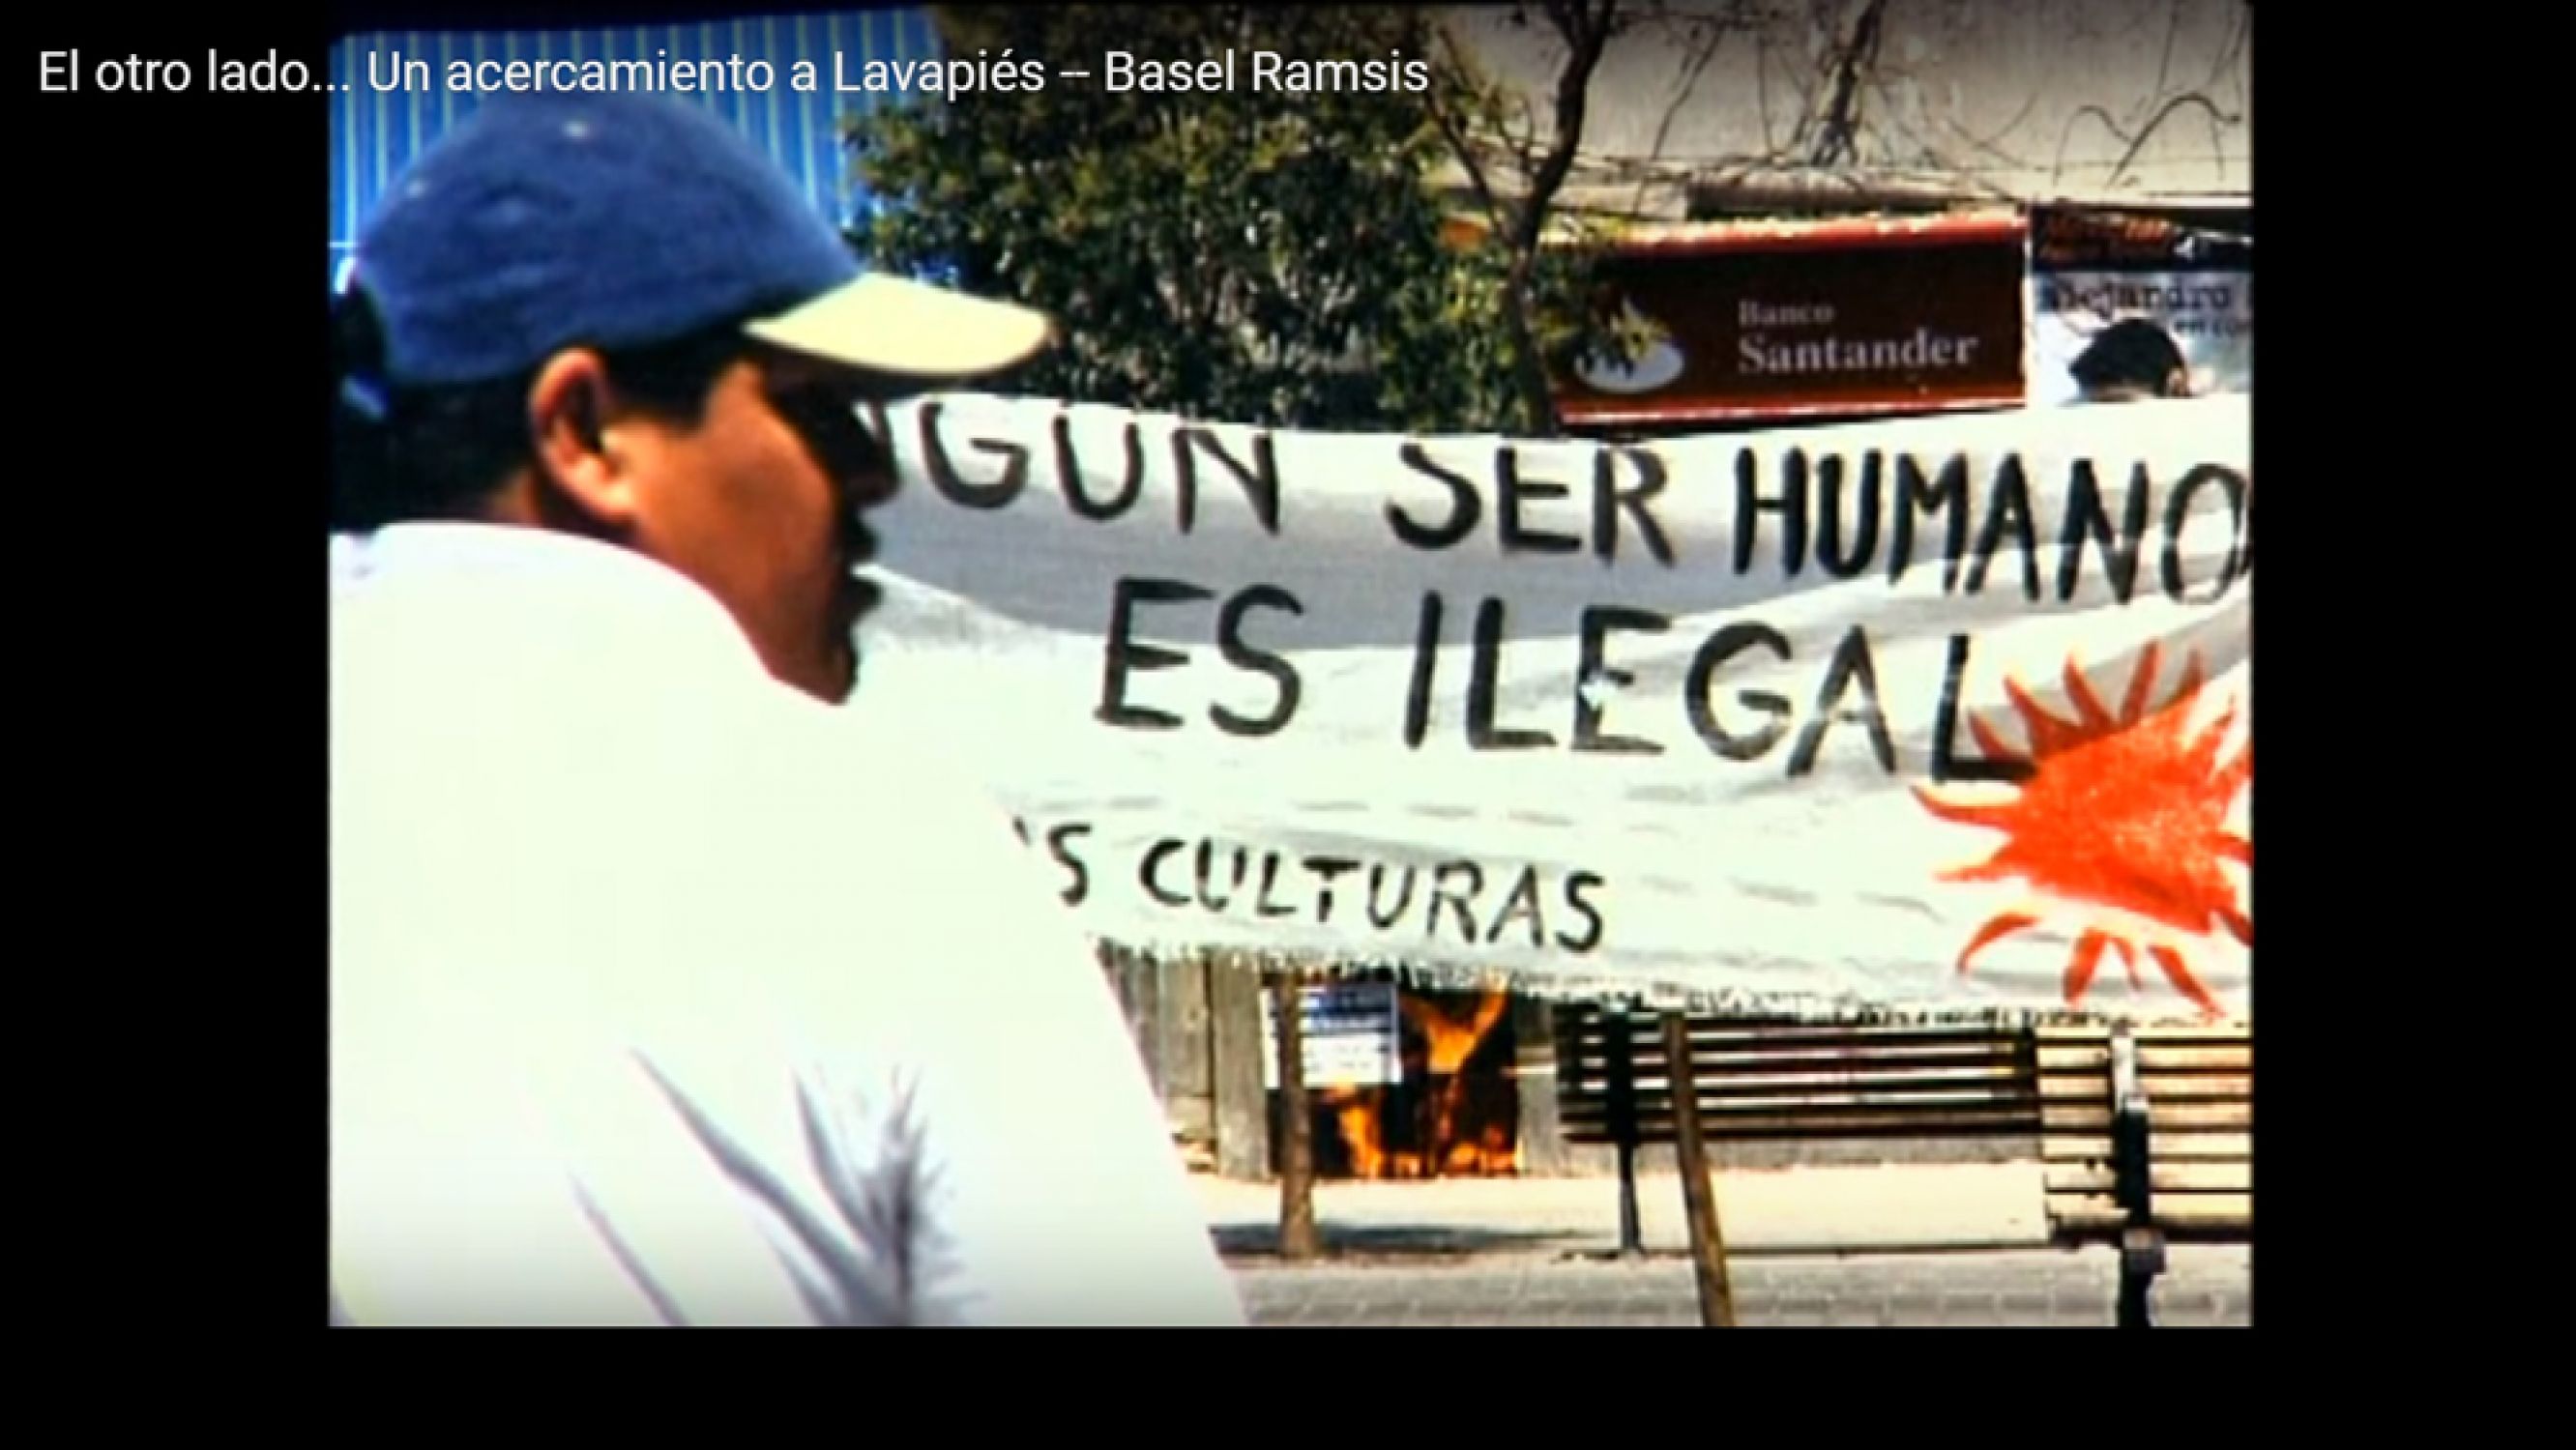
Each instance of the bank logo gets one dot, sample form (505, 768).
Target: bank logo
(1657, 367)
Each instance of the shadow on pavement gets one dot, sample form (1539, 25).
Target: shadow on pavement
(1385, 1240)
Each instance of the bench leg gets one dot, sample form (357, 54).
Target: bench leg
(2142, 1248)
(2142, 1257)
(1632, 1239)
(1623, 1127)
(2133, 1297)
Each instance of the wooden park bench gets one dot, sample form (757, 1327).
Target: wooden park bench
(2147, 1135)
(2160, 1147)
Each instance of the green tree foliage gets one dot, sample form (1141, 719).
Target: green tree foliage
(1242, 255)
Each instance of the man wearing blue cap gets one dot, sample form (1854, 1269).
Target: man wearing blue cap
(662, 993)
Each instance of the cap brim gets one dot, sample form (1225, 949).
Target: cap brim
(894, 325)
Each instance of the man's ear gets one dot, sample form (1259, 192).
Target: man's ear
(570, 405)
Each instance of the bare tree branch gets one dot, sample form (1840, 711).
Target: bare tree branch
(2164, 67)
(1838, 140)
(1762, 88)
(2163, 114)
(1991, 144)
(1700, 49)
(1521, 141)
(1460, 144)
(1586, 30)
(2138, 142)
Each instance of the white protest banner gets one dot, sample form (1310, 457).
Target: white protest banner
(1939, 717)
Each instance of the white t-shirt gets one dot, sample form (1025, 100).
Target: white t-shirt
(660, 993)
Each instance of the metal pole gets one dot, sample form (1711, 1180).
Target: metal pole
(2142, 1254)
(1623, 1125)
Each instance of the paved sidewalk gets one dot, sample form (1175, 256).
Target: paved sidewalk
(1894, 1245)
(2048, 1288)
(1898, 1207)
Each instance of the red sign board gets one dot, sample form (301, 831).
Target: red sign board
(1815, 319)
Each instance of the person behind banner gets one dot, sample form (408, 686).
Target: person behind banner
(664, 991)
(2130, 361)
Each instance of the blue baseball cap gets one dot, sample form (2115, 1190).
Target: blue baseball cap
(606, 220)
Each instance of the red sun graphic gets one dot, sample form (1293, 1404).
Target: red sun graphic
(2127, 812)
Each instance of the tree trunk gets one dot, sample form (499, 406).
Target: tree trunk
(1236, 1049)
(1538, 401)
(1543, 1149)
(1297, 1236)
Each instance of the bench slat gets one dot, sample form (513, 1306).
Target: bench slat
(2082, 1117)
(2196, 1213)
(1824, 1115)
(1595, 1073)
(2162, 1177)
(1725, 1099)
(1811, 1104)
(1588, 1066)
(2152, 1058)
(2057, 1034)
(1949, 1124)
(1591, 1070)
(2192, 1088)
(1649, 1029)
(1778, 1084)
(2195, 1147)
(1659, 1107)
(1995, 1051)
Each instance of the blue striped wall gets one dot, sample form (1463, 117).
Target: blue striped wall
(373, 133)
